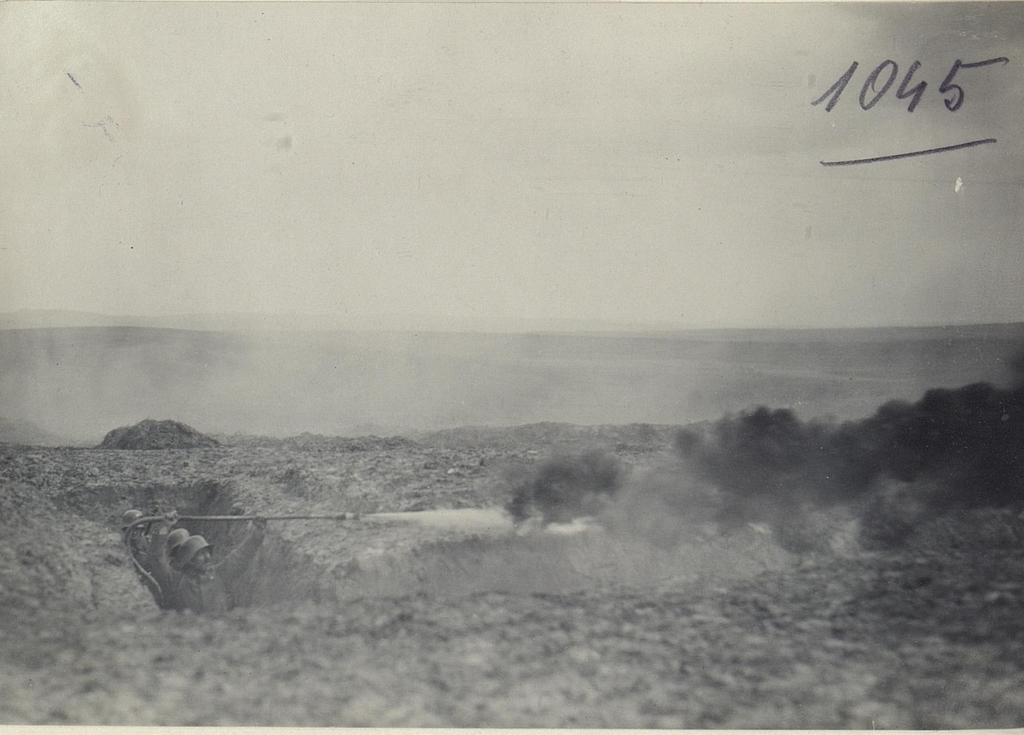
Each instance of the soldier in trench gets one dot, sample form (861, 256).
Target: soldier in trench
(175, 541)
(134, 537)
(137, 543)
(200, 585)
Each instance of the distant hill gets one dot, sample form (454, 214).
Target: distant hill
(21, 431)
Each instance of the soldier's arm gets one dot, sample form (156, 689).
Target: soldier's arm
(235, 563)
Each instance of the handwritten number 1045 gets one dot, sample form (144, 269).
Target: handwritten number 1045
(881, 79)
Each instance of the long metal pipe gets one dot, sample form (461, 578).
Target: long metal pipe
(331, 517)
(334, 517)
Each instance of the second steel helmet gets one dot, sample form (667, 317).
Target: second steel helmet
(176, 538)
(191, 547)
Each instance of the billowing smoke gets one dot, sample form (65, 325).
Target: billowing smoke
(961, 448)
(953, 456)
(567, 487)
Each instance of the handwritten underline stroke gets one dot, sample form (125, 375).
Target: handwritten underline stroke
(897, 156)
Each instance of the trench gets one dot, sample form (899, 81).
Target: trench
(278, 573)
(443, 553)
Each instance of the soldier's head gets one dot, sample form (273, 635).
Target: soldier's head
(195, 554)
(175, 541)
(129, 517)
(133, 535)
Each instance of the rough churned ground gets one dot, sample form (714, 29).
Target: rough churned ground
(391, 624)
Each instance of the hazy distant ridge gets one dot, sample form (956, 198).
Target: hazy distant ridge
(249, 322)
(83, 382)
(20, 431)
(253, 322)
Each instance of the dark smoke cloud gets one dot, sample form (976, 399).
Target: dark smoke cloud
(965, 445)
(567, 487)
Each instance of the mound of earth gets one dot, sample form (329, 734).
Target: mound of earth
(150, 434)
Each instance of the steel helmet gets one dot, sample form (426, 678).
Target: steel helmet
(191, 547)
(129, 517)
(176, 538)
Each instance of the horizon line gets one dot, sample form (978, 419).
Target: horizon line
(193, 321)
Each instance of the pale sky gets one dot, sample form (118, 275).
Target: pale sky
(638, 164)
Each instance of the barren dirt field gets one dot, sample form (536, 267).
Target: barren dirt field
(652, 616)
